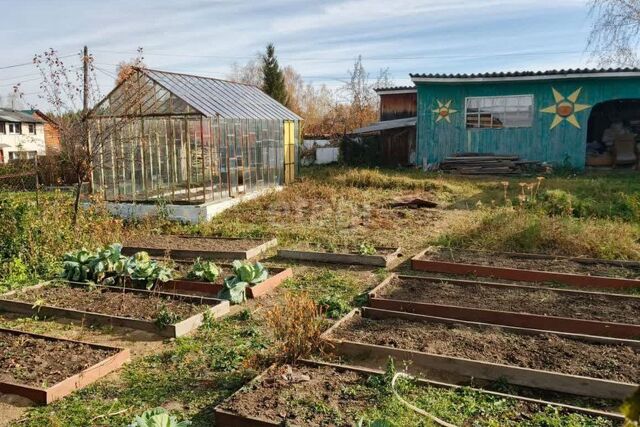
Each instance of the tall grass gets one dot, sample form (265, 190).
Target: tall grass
(34, 236)
(516, 230)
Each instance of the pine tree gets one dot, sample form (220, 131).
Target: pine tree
(273, 77)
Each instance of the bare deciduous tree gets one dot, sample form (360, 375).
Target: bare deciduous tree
(81, 140)
(325, 111)
(361, 97)
(249, 73)
(615, 32)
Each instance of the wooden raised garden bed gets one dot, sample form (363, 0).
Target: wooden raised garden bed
(185, 286)
(561, 310)
(576, 364)
(169, 315)
(265, 400)
(179, 247)
(578, 272)
(44, 369)
(383, 257)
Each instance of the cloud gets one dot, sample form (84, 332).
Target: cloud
(320, 39)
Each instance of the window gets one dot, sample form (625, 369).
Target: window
(2, 129)
(32, 128)
(497, 112)
(14, 128)
(15, 155)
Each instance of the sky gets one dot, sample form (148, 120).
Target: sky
(320, 39)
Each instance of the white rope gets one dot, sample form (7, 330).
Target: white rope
(415, 408)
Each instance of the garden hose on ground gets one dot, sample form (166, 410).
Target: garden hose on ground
(415, 408)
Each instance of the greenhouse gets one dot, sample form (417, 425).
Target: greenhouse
(162, 137)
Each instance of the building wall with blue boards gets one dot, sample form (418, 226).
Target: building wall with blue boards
(560, 112)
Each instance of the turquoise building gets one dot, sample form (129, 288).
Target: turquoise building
(552, 116)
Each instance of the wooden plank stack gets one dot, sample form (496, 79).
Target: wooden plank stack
(486, 164)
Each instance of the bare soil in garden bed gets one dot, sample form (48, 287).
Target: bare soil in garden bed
(193, 243)
(380, 251)
(107, 301)
(283, 392)
(548, 352)
(41, 362)
(561, 265)
(590, 306)
(323, 395)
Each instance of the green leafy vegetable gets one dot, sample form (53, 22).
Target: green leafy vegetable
(83, 265)
(366, 249)
(204, 270)
(165, 317)
(104, 261)
(144, 270)
(244, 274)
(157, 417)
(78, 266)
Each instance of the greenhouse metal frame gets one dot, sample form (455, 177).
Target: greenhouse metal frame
(183, 139)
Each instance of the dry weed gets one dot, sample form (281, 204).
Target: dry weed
(297, 324)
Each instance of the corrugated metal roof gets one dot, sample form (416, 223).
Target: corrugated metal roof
(387, 124)
(395, 88)
(8, 115)
(516, 74)
(213, 97)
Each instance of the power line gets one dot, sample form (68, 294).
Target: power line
(349, 58)
(20, 82)
(31, 63)
(107, 73)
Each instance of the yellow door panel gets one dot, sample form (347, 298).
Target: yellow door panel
(289, 152)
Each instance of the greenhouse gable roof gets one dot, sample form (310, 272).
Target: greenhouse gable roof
(215, 97)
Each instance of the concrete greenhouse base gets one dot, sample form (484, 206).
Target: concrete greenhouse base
(185, 213)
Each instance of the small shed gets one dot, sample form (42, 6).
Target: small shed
(563, 117)
(191, 141)
(391, 141)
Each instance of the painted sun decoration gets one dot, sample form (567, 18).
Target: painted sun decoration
(444, 110)
(565, 108)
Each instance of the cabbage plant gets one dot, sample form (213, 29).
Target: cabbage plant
(204, 270)
(104, 261)
(157, 417)
(77, 266)
(141, 269)
(244, 274)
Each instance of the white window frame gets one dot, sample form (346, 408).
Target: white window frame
(31, 126)
(17, 128)
(533, 108)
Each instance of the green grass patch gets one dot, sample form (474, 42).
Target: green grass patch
(336, 292)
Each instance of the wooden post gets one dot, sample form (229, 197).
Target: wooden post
(211, 154)
(186, 130)
(204, 186)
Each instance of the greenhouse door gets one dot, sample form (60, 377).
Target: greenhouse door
(289, 152)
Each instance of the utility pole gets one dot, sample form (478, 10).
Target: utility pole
(85, 109)
(85, 88)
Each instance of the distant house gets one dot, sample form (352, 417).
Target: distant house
(51, 130)
(392, 140)
(21, 135)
